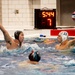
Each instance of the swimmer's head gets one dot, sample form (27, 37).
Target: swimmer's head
(63, 35)
(16, 34)
(34, 56)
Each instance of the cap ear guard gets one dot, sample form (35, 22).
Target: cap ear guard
(64, 38)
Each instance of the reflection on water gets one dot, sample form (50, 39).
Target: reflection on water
(53, 62)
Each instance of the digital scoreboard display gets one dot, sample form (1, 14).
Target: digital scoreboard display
(45, 19)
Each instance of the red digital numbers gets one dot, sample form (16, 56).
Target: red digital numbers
(49, 21)
(47, 14)
(45, 19)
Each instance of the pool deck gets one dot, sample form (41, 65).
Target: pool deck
(28, 33)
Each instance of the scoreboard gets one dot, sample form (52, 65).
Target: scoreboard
(45, 19)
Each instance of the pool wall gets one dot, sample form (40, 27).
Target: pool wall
(49, 33)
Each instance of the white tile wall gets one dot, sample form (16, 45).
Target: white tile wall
(51, 4)
(25, 18)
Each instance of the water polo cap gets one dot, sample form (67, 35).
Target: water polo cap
(34, 56)
(64, 35)
(16, 34)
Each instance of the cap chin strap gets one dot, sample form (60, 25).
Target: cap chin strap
(19, 45)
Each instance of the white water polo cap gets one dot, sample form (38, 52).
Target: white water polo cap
(64, 35)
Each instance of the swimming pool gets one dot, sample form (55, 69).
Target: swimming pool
(53, 62)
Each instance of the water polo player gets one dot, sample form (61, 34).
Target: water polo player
(64, 42)
(10, 42)
(62, 36)
(34, 56)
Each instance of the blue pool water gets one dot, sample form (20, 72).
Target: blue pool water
(53, 62)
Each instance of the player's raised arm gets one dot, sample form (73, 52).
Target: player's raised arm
(6, 34)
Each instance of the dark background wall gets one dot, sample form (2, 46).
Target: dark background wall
(65, 8)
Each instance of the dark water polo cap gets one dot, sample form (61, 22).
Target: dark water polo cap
(16, 34)
(34, 56)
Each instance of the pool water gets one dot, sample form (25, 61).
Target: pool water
(53, 62)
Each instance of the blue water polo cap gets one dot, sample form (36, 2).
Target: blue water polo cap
(34, 56)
